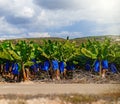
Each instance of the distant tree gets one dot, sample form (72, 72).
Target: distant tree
(67, 37)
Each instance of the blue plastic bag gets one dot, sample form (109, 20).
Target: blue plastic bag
(113, 68)
(55, 64)
(104, 64)
(15, 69)
(97, 66)
(33, 60)
(87, 67)
(34, 67)
(70, 66)
(45, 66)
(7, 65)
(61, 66)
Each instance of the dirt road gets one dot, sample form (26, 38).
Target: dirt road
(36, 88)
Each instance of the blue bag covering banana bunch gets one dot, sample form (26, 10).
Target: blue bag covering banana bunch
(113, 68)
(55, 64)
(97, 66)
(45, 66)
(70, 66)
(61, 67)
(15, 68)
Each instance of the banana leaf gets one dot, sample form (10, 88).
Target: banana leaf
(14, 55)
(28, 63)
(88, 53)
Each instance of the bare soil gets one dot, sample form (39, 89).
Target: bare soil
(81, 88)
(31, 88)
(42, 93)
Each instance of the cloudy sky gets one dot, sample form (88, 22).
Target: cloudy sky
(59, 18)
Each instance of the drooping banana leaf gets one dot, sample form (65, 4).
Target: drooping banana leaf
(43, 53)
(12, 46)
(88, 53)
(5, 55)
(28, 63)
(14, 55)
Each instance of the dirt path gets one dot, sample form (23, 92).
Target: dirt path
(35, 88)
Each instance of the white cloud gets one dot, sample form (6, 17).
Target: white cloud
(40, 16)
(90, 7)
(5, 37)
(29, 35)
(64, 34)
(18, 7)
(35, 34)
(55, 18)
(113, 29)
(25, 12)
(100, 12)
(6, 28)
(2, 38)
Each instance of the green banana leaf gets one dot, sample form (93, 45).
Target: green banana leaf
(28, 63)
(5, 55)
(88, 53)
(14, 55)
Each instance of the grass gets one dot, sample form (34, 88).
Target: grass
(77, 99)
(107, 98)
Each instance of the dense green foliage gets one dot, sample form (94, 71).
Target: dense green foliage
(62, 51)
(23, 52)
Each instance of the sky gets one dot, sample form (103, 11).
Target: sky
(58, 18)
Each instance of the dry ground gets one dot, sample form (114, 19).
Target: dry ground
(31, 88)
(42, 93)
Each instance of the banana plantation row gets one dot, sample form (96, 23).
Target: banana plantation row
(57, 58)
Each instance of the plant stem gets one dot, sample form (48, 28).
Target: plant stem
(23, 71)
(100, 69)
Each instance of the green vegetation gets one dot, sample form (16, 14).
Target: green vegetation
(23, 51)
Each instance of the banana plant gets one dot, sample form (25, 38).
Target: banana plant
(54, 50)
(58, 50)
(97, 50)
(25, 52)
(48, 50)
(114, 54)
(4, 54)
(67, 51)
(19, 53)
